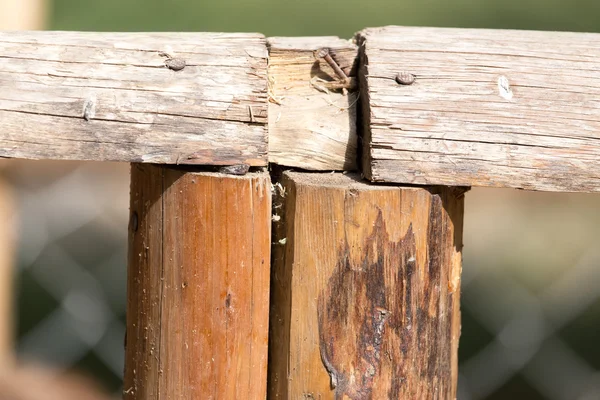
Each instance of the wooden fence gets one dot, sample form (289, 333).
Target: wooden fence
(297, 203)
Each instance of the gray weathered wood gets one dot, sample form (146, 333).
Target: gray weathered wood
(487, 108)
(111, 96)
(312, 122)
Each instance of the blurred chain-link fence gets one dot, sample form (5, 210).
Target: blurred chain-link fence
(531, 293)
(71, 264)
(530, 296)
(524, 334)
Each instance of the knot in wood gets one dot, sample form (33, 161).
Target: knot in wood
(405, 78)
(134, 221)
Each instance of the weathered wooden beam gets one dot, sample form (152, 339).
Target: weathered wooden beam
(198, 285)
(312, 113)
(178, 98)
(365, 290)
(487, 108)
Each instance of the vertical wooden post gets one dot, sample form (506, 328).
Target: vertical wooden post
(365, 290)
(198, 285)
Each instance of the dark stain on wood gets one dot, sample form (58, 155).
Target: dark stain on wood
(386, 324)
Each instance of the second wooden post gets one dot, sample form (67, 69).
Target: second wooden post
(198, 285)
(365, 290)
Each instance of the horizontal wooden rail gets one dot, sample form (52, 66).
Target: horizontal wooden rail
(481, 108)
(173, 98)
(454, 107)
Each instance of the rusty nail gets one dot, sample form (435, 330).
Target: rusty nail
(405, 78)
(324, 53)
(175, 64)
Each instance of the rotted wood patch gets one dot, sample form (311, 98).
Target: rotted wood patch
(385, 325)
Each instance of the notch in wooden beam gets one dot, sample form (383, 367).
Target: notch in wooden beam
(312, 112)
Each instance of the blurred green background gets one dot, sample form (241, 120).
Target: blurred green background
(315, 17)
(518, 238)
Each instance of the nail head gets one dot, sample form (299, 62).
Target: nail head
(405, 78)
(176, 64)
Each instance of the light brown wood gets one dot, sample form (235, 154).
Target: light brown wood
(198, 285)
(515, 109)
(312, 122)
(23, 14)
(36, 382)
(365, 290)
(111, 96)
(7, 270)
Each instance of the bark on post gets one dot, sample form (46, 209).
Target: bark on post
(365, 290)
(198, 285)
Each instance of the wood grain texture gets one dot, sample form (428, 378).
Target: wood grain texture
(198, 285)
(365, 290)
(312, 125)
(488, 108)
(111, 96)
